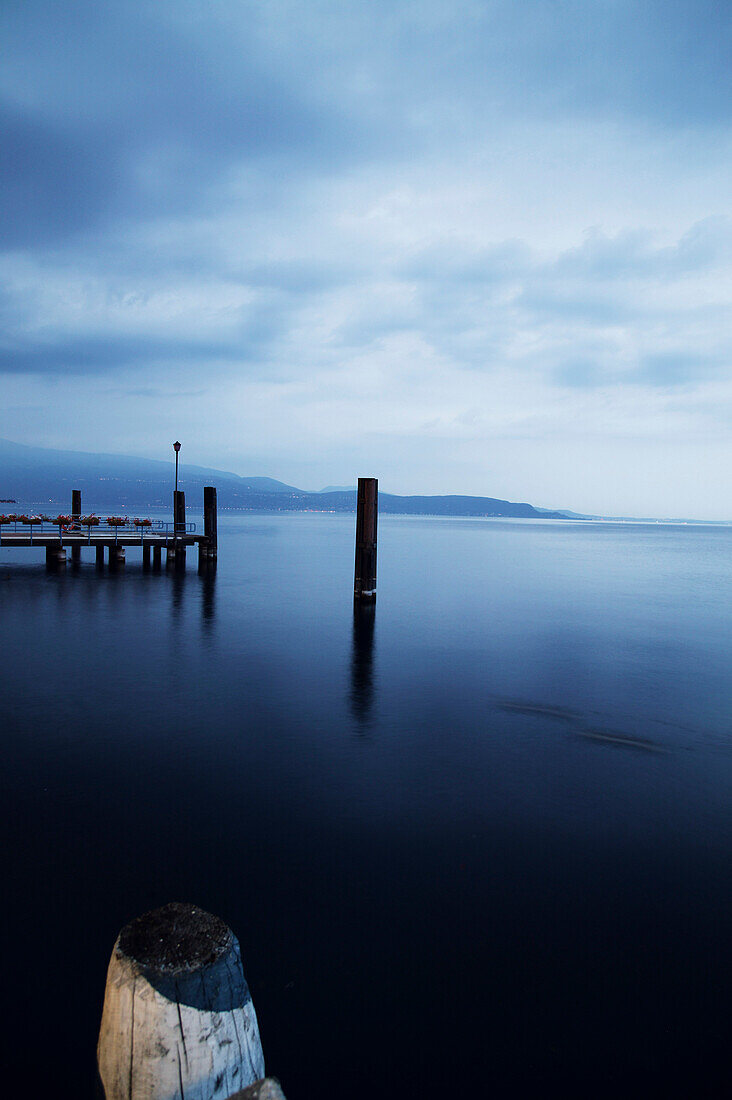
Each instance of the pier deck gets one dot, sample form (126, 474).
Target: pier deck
(56, 539)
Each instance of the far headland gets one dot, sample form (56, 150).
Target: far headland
(44, 476)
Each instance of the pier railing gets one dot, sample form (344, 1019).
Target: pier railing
(96, 527)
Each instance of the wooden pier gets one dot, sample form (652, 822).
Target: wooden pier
(113, 535)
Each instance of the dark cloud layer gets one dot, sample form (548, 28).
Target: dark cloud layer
(137, 117)
(92, 355)
(128, 110)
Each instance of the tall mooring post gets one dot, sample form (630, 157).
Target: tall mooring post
(367, 510)
(210, 522)
(76, 523)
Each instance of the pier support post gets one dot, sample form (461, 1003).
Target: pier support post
(157, 556)
(146, 556)
(210, 522)
(179, 527)
(367, 509)
(55, 556)
(76, 522)
(116, 556)
(99, 549)
(179, 512)
(178, 1018)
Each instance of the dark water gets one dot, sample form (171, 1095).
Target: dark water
(481, 839)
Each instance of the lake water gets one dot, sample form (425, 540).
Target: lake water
(480, 839)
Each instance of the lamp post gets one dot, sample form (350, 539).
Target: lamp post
(176, 497)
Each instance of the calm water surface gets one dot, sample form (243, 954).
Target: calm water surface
(479, 839)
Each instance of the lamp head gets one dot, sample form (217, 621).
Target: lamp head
(176, 446)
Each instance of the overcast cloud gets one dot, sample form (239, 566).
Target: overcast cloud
(479, 246)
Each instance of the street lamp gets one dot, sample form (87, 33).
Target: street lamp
(176, 448)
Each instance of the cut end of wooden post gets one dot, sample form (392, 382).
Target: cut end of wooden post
(178, 937)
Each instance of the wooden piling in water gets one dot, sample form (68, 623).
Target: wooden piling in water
(76, 523)
(157, 556)
(55, 556)
(179, 512)
(99, 548)
(116, 556)
(146, 556)
(210, 522)
(268, 1089)
(367, 510)
(178, 1017)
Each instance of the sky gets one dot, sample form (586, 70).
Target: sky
(464, 246)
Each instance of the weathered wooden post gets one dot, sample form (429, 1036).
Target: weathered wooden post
(367, 510)
(146, 555)
(116, 556)
(179, 512)
(100, 555)
(268, 1089)
(157, 556)
(76, 524)
(178, 1019)
(55, 556)
(179, 527)
(210, 522)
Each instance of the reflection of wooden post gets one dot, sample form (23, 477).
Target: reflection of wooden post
(178, 1018)
(210, 521)
(367, 509)
(76, 523)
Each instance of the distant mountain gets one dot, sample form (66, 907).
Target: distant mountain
(338, 489)
(43, 476)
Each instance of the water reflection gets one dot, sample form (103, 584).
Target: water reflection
(207, 573)
(362, 660)
(131, 593)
